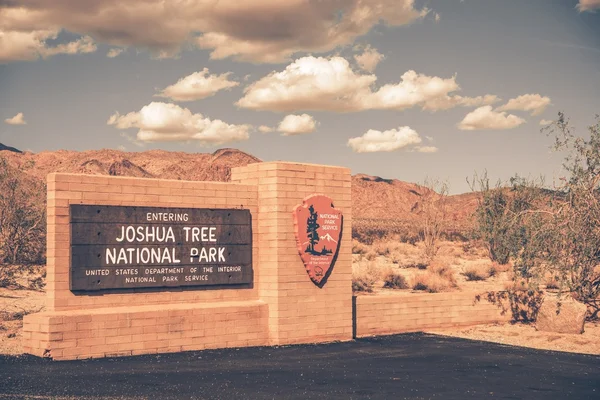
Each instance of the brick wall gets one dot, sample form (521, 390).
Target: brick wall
(387, 314)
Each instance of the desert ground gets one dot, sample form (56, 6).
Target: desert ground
(458, 266)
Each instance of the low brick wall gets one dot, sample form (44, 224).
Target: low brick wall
(387, 314)
(126, 331)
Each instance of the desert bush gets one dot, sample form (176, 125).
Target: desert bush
(443, 270)
(358, 247)
(382, 248)
(430, 282)
(368, 231)
(478, 272)
(432, 210)
(499, 215)
(22, 217)
(364, 277)
(394, 280)
(569, 237)
(370, 255)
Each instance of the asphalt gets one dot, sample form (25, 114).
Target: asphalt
(410, 366)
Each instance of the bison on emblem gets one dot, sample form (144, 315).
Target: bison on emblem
(318, 235)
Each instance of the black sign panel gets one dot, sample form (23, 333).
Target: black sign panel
(115, 247)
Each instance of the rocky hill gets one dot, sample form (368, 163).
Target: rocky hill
(7, 148)
(374, 198)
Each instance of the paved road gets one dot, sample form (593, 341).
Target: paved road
(412, 366)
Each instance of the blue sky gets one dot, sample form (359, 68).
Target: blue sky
(394, 88)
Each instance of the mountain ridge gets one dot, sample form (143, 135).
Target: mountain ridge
(373, 197)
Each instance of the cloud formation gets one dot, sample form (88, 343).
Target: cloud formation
(265, 129)
(253, 30)
(390, 140)
(528, 102)
(330, 84)
(162, 122)
(485, 118)
(426, 149)
(545, 122)
(369, 59)
(297, 125)
(112, 53)
(16, 120)
(18, 45)
(588, 5)
(197, 86)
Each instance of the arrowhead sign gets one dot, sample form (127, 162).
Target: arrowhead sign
(318, 227)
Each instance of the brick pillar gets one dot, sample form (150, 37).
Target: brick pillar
(299, 311)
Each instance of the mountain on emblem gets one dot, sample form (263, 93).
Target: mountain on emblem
(318, 231)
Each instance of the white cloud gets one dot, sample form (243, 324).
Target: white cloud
(390, 140)
(297, 124)
(546, 122)
(197, 86)
(426, 149)
(484, 118)
(527, 102)
(437, 17)
(229, 28)
(588, 5)
(112, 53)
(447, 102)
(121, 148)
(162, 122)
(265, 129)
(369, 59)
(330, 84)
(16, 120)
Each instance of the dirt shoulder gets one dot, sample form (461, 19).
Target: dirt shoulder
(526, 335)
(14, 304)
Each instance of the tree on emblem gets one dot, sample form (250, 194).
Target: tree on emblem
(311, 230)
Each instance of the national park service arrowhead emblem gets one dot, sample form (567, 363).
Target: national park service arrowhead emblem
(318, 235)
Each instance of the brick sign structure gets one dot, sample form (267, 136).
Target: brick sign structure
(116, 247)
(147, 266)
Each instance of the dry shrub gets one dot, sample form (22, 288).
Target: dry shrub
(551, 282)
(394, 280)
(369, 231)
(382, 248)
(443, 270)
(359, 248)
(499, 268)
(479, 271)
(371, 255)
(407, 256)
(364, 277)
(430, 282)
